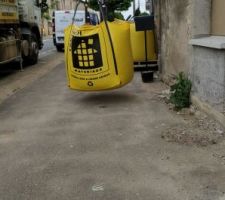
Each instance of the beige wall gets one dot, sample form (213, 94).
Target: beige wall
(177, 22)
(46, 29)
(69, 5)
(218, 17)
(174, 33)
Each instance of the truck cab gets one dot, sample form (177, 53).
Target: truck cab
(30, 20)
(20, 30)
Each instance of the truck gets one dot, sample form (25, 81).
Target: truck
(63, 18)
(20, 31)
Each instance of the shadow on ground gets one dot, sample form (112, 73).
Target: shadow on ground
(108, 98)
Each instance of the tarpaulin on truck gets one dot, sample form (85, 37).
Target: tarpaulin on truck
(8, 11)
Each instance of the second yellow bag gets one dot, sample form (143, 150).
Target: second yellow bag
(138, 44)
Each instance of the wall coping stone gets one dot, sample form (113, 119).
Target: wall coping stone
(215, 42)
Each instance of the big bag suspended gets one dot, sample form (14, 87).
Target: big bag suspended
(92, 62)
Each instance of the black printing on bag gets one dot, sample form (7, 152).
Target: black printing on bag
(86, 52)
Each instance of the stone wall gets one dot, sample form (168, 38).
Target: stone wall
(174, 32)
(177, 22)
(186, 44)
(208, 76)
(69, 5)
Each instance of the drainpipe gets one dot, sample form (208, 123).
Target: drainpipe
(159, 31)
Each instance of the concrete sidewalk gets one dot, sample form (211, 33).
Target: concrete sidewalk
(60, 144)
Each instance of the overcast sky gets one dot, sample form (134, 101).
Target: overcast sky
(130, 11)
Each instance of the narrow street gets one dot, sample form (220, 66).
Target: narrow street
(12, 79)
(48, 48)
(56, 143)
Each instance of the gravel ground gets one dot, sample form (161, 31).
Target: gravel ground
(199, 129)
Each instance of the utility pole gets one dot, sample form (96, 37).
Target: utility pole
(63, 4)
(134, 7)
(153, 8)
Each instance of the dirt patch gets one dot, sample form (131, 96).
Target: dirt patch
(198, 128)
(200, 133)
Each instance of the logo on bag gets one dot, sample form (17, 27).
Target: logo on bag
(90, 83)
(86, 53)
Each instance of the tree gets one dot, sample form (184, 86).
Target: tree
(44, 7)
(44, 13)
(137, 12)
(118, 15)
(112, 6)
(144, 14)
(54, 4)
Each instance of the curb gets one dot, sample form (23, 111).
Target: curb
(208, 110)
(18, 81)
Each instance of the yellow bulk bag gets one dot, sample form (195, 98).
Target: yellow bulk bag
(137, 39)
(90, 64)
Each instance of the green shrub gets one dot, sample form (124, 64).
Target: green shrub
(180, 92)
(118, 15)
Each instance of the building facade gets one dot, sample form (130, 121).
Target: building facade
(191, 39)
(69, 5)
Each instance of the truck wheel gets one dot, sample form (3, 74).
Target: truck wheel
(59, 48)
(32, 58)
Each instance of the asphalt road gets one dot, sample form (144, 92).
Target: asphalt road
(58, 144)
(48, 47)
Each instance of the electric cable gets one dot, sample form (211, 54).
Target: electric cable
(70, 34)
(109, 34)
